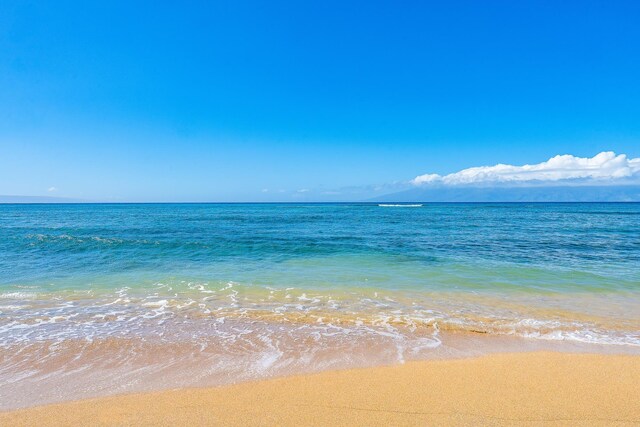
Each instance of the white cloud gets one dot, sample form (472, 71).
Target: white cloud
(303, 190)
(52, 189)
(604, 168)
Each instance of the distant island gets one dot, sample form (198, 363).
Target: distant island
(618, 193)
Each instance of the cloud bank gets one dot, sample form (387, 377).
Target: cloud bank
(606, 168)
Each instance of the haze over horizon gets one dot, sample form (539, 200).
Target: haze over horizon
(282, 101)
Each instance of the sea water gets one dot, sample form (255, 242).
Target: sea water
(104, 298)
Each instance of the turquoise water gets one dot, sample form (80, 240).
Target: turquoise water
(234, 291)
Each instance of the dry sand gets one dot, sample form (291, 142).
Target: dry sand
(506, 389)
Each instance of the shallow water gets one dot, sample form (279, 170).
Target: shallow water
(99, 299)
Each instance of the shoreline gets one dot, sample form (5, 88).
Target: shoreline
(101, 373)
(496, 389)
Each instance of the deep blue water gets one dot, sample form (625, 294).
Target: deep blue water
(66, 244)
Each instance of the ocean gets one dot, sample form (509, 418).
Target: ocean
(100, 299)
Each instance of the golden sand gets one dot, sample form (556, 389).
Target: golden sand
(506, 389)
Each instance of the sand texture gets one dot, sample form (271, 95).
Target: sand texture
(504, 389)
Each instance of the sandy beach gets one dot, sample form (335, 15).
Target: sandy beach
(539, 388)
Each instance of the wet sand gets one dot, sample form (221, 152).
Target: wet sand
(538, 388)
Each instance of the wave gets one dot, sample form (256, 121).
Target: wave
(384, 205)
(60, 238)
(191, 305)
(205, 334)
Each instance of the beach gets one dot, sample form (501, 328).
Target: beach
(123, 300)
(538, 388)
(319, 213)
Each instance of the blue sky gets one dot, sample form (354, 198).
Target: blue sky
(208, 101)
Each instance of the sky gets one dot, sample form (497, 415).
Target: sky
(286, 101)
